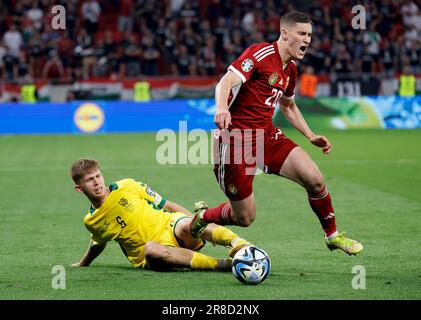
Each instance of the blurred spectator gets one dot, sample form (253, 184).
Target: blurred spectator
(53, 69)
(13, 40)
(342, 60)
(176, 5)
(372, 40)
(414, 54)
(407, 82)
(189, 39)
(24, 70)
(308, 83)
(107, 57)
(150, 56)
(35, 52)
(35, 15)
(3, 51)
(65, 46)
(10, 65)
(207, 61)
(71, 19)
(366, 63)
(132, 55)
(125, 19)
(84, 42)
(200, 37)
(248, 20)
(272, 30)
(183, 63)
(409, 11)
(400, 52)
(317, 57)
(387, 60)
(91, 12)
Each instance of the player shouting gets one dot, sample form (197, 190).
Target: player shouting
(246, 96)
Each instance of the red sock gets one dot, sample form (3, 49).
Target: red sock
(322, 207)
(221, 215)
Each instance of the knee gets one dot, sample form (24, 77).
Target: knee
(245, 218)
(155, 256)
(315, 183)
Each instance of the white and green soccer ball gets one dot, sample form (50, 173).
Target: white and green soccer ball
(251, 265)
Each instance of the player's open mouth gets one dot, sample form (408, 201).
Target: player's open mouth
(303, 49)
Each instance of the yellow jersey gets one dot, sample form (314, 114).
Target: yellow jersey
(132, 215)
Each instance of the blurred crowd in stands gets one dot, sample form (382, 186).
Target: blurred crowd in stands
(126, 38)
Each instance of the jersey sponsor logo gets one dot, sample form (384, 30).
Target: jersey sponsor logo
(247, 65)
(273, 78)
(124, 202)
(232, 189)
(150, 191)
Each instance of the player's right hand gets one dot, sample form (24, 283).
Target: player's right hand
(222, 118)
(75, 265)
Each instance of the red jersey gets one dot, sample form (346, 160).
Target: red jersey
(265, 81)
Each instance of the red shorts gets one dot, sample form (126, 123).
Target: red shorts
(235, 166)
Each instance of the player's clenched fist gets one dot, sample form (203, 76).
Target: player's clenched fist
(222, 118)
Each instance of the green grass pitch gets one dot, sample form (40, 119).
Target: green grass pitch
(374, 177)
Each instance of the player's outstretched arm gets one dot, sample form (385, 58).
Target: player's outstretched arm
(94, 250)
(222, 116)
(175, 207)
(291, 112)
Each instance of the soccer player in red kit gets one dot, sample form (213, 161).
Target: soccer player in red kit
(262, 77)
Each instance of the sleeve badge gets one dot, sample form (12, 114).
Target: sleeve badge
(247, 65)
(150, 191)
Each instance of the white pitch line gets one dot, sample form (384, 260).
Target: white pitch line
(175, 166)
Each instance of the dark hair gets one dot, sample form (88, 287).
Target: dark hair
(81, 167)
(295, 17)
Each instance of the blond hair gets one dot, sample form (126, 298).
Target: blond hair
(81, 167)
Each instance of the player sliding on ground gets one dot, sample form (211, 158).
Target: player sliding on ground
(152, 232)
(261, 78)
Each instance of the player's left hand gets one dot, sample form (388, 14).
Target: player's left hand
(321, 142)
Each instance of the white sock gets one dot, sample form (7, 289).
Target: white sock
(333, 235)
(234, 241)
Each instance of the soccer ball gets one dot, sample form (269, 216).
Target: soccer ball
(251, 265)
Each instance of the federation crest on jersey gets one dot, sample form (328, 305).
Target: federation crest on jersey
(272, 78)
(247, 65)
(232, 189)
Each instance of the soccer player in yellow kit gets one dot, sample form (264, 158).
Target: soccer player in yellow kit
(152, 232)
